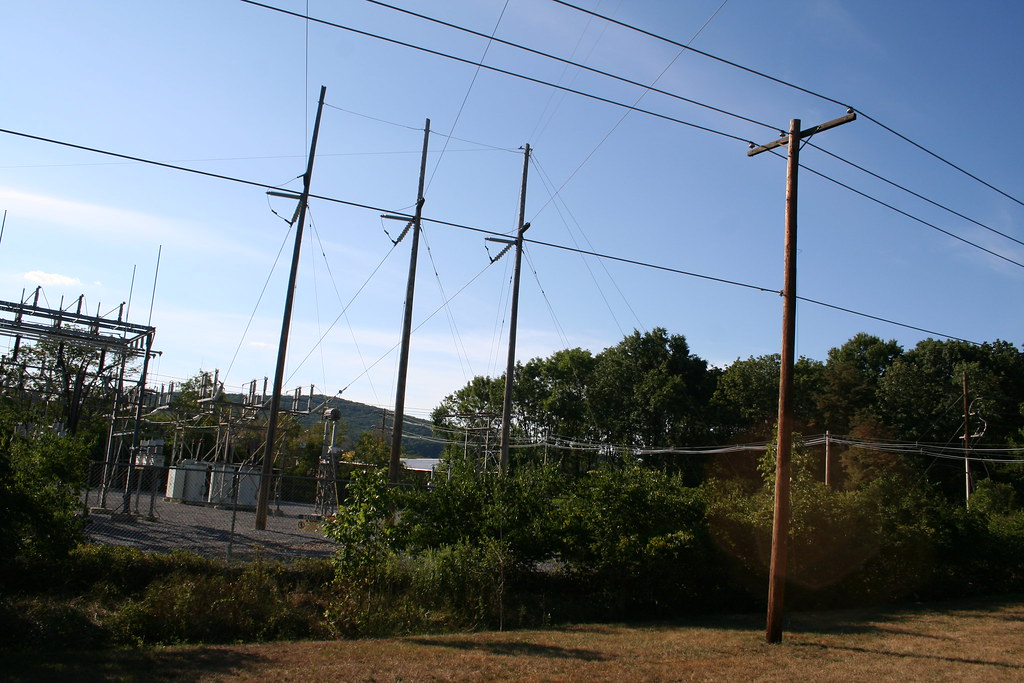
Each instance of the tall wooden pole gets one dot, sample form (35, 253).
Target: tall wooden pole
(263, 497)
(780, 525)
(395, 463)
(506, 407)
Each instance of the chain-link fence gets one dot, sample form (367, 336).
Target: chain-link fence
(209, 509)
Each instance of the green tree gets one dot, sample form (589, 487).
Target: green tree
(649, 390)
(746, 397)
(42, 475)
(466, 507)
(552, 394)
(921, 395)
(372, 449)
(638, 539)
(849, 381)
(61, 382)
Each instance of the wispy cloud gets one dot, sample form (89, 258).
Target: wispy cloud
(51, 279)
(98, 220)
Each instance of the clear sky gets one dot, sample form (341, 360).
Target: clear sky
(230, 88)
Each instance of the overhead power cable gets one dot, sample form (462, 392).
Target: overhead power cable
(465, 98)
(484, 231)
(911, 216)
(506, 72)
(794, 86)
(915, 194)
(629, 107)
(745, 285)
(569, 62)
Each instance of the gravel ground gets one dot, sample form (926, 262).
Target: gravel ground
(158, 523)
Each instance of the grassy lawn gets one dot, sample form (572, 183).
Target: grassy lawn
(980, 640)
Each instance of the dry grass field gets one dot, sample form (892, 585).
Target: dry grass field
(980, 640)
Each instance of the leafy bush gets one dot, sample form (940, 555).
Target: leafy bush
(41, 476)
(364, 525)
(257, 605)
(467, 507)
(641, 537)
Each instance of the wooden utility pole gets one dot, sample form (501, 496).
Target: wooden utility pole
(830, 466)
(506, 407)
(395, 463)
(282, 349)
(967, 446)
(784, 447)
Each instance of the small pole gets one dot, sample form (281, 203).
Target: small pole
(829, 464)
(395, 462)
(506, 408)
(967, 446)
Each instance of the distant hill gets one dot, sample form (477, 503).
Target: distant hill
(358, 418)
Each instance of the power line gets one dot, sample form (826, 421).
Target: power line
(911, 216)
(506, 72)
(744, 285)
(569, 62)
(647, 89)
(663, 116)
(789, 84)
(916, 194)
(620, 259)
(465, 98)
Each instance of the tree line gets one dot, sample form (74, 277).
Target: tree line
(650, 392)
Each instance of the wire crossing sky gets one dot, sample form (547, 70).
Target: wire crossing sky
(921, 228)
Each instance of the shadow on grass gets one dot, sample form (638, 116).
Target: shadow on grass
(151, 665)
(887, 618)
(910, 655)
(515, 649)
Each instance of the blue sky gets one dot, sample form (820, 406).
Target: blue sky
(231, 88)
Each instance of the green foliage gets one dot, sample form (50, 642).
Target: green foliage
(848, 392)
(648, 390)
(41, 477)
(257, 605)
(371, 449)
(466, 581)
(465, 507)
(916, 392)
(58, 383)
(107, 595)
(641, 537)
(364, 525)
(746, 396)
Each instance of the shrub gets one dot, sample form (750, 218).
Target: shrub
(41, 476)
(466, 507)
(641, 536)
(258, 604)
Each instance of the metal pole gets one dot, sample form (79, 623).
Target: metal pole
(282, 349)
(780, 524)
(395, 463)
(138, 425)
(506, 407)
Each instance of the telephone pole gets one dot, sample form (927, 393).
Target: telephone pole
(282, 349)
(395, 463)
(967, 445)
(506, 407)
(784, 446)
